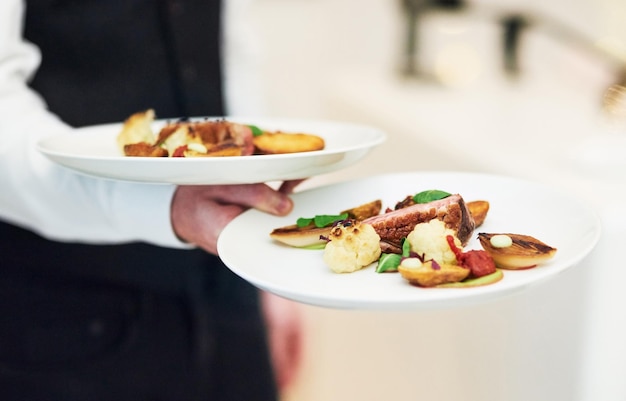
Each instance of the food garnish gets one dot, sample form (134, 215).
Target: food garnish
(389, 262)
(523, 253)
(256, 131)
(501, 241)
(430, 195)
(320, 220)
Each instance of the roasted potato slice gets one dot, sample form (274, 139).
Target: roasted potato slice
(364, 211)
(270, 143)
(478, 210)
(426, 275)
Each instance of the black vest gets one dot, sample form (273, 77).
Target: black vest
(102, 62)
(103, 59)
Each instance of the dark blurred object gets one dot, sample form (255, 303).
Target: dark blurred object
(512, 27)
(414, 10)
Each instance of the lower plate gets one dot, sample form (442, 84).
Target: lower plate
(517, 206)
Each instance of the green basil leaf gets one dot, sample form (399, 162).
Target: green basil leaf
(321, 220)
(388, 262)
(304, 221)
(430, 195)
(256, 131)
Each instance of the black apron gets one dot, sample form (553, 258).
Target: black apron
(129, 321)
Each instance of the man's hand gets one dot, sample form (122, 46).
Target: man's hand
(200, 213)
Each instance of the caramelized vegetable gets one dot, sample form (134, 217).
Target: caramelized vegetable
(523, 253)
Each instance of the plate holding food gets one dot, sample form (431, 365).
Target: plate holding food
(534, 218)
(211, 150)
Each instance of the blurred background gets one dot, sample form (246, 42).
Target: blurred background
(500, 86)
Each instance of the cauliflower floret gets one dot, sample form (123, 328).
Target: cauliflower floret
(352, 246)
(429, 239)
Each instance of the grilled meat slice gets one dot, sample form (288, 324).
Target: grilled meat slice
(395, 225)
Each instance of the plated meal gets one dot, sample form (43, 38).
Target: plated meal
(376, 243)
(266, 149)
(422, 237)
(207, 138)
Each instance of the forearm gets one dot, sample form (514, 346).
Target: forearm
(51, 200)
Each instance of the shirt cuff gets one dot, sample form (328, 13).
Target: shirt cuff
(143, 211)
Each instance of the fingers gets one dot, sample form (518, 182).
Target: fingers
(287, 187)
(200, 213)
(257, 196)
(198, 219)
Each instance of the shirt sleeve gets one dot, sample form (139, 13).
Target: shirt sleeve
(46, 198)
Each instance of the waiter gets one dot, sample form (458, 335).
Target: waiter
(128, 320)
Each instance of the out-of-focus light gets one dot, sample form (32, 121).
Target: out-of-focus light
(452, 26)
(614, 46)
(457, 65)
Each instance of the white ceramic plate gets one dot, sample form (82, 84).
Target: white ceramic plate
(93, 151)
(516, 206)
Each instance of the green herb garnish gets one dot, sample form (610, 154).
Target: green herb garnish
(430, 195)
(321, 220)
(406, 248)
(389, 262)
(256, 131)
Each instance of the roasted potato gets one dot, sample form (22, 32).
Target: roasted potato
(478, 210)
(364, 211)
(270, 143)
(425, 275)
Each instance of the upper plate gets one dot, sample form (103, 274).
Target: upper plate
(93, 151)
(517, 206)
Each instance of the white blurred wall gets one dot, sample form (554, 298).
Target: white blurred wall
(319, 59)
(303, 43)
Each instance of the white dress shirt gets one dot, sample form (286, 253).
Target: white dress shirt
(62, 205)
